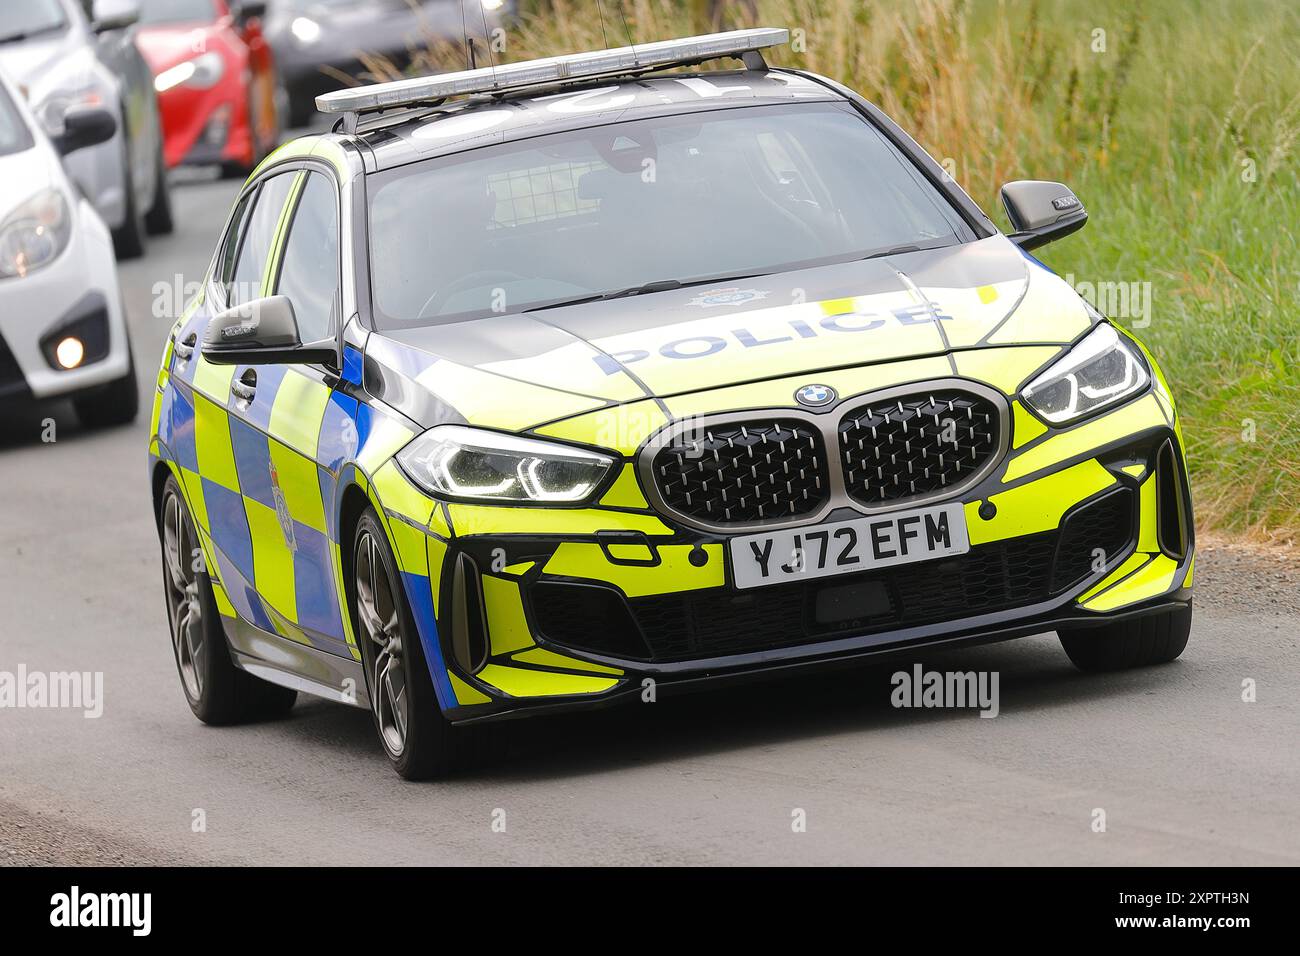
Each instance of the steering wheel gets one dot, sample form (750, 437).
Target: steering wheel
(469, 281)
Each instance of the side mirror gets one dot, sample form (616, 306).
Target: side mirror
(1041, 212)
(262, 332)
(82, 128)
(107, 15)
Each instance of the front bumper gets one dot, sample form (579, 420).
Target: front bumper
(952, 638)
(560, 608)
(78, 291)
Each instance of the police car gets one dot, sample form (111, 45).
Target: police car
(555, 384)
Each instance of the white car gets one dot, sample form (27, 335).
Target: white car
(62, 326)
(78, 54)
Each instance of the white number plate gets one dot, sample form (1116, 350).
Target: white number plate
(842, 547)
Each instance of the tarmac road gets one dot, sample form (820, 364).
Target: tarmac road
(1185, 770)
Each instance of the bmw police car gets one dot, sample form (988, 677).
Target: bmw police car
(576, 381)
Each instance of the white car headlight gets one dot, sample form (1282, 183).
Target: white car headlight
(34, 234)
(202, 72)
(454, 461)
(1103, 369)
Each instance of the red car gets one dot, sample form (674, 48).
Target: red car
(216, 80)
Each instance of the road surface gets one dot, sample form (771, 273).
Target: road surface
(1183, 769)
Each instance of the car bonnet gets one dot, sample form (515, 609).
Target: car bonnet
(977, 295)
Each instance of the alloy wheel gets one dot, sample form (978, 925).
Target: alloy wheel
(381, 628)
(184, 605)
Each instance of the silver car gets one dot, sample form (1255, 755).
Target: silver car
(79, 54)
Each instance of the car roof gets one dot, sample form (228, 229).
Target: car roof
(485, 120)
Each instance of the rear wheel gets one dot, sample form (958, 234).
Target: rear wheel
(418, 740)
(1136, 642)
(216, 690)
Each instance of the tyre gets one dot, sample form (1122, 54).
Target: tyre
(418, 740)
(116, 403)
(216, 690)
(129, 238)
(1136, 642)
(158, 220)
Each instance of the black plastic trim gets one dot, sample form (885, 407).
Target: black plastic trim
(767, 670)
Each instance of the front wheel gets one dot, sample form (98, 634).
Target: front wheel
(216, 690)
(1136, 642)
(129, 238)
(418, 740)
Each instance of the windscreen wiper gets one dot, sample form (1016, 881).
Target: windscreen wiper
(908, 247)
(659, 285)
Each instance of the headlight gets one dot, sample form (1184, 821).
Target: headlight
(1103, 369)
(201, 72)
(305, 30)
(34, 234)
(458, 462)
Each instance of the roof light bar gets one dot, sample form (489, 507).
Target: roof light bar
(508, 76)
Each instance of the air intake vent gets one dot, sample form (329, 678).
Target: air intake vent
(1172, 526)
(1093, 537)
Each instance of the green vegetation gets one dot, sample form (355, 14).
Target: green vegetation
(1177, 127)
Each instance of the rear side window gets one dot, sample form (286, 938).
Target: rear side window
(257, 232)
(309, 267)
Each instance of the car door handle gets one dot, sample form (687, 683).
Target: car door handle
(245, 386)
(185, 350)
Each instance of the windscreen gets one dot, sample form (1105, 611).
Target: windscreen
(593, 211)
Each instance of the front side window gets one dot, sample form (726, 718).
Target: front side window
(309, 265)
(255, 238)
(754, 190)
(225, 273)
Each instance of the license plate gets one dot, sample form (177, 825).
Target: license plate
(843, 547)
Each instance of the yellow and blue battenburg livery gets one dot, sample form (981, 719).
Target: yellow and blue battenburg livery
(620, 383)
